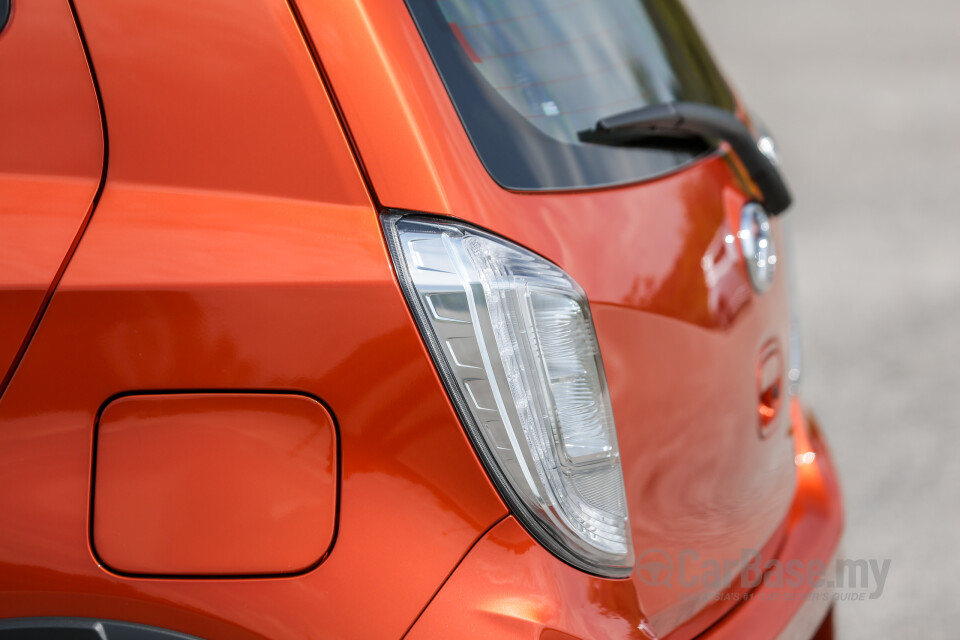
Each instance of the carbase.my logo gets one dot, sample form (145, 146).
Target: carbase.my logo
(654, 567)
(865, 578)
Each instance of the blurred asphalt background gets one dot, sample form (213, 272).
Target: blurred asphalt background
(864, 99)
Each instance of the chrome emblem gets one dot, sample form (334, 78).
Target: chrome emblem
(756, 242)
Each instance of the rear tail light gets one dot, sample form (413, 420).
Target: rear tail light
(513, 340)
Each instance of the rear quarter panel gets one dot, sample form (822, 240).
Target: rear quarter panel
(234, 248)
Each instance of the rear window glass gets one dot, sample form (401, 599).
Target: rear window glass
(527, 75)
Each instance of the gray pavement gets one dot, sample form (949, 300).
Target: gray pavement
(864, 96)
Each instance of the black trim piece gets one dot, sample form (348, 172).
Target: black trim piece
(205, 577)
(48, 296)
(83, 629)
(701, 120)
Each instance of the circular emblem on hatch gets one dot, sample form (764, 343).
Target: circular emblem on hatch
(756, 242)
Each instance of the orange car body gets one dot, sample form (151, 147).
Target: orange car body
(191, 247)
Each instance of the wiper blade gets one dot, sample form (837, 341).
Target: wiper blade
(693, 119)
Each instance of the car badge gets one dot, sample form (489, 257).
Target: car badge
(756, 242)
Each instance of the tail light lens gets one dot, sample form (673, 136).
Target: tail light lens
(512, 337)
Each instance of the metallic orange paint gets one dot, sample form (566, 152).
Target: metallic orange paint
(262, 269)
(679, 326)
(815, 527)
(770, 385)
(236, 247)
(214, 484)
(509, 587)
(51, 158)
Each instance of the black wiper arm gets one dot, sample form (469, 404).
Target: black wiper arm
(689, 118)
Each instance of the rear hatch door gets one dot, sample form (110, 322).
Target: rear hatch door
(651, 233)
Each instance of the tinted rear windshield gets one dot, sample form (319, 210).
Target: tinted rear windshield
(527, 75)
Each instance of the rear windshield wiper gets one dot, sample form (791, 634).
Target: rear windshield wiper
(693, 119)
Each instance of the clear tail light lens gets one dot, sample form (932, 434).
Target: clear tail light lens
(512, 337)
